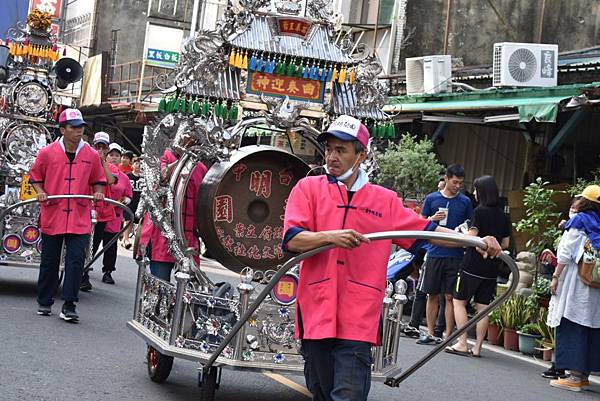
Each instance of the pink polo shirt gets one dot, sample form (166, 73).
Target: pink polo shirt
(58, 176)
(341, 291)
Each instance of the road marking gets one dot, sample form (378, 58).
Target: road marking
(289, 383)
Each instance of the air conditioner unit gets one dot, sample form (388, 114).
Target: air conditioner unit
(525, 64)
(428, 74)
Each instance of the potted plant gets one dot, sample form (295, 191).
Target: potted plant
(529, 337)
(515, 313)
(541, 289)
(541, 218)
(494, 333)
(546, 343)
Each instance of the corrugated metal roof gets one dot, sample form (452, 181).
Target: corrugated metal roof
(259, 37)
(228, 86)
(343, 101)
(485, 150)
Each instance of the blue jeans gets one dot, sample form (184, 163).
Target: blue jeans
(337, 370)
(161, 270)
(76, 245)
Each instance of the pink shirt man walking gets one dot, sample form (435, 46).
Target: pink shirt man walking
(68, 166)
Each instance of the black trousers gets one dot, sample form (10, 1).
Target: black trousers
(109, 259)
(337, 370)
(52, 245)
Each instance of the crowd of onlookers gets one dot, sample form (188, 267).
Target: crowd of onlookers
(451, 279)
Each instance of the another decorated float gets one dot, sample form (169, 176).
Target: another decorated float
(31, 72)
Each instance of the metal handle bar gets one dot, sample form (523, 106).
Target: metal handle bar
(89, 197)
(426, 235)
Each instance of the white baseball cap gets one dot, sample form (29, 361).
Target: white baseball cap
(347, 128)
(115, 146)
(101, 137)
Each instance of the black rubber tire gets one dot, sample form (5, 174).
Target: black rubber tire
(209, 385)
(159, 365)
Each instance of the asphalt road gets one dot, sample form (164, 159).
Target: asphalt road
(44, 358)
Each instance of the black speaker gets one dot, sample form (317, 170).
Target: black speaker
(67, 71)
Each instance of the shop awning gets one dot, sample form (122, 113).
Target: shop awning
(540, 104)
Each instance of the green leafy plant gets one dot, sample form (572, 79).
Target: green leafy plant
(547, 332)
(410, 168)
(581, 183)
(530, 328)
(541, 218)
(515, 312)
(541, 287)
(495, 316)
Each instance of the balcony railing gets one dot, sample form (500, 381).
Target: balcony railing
(134, 82)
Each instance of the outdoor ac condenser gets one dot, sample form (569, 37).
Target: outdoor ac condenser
(428, 74)
(525, 64)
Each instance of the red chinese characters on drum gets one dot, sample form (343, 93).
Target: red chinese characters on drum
(257, 239)
(241, 205)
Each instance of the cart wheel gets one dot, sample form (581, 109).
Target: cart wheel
(209, 384)
(159, 365)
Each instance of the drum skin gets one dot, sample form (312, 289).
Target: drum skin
(241, 205)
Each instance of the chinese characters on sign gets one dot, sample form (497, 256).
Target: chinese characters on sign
(27, 191)
(280, 85)
(547, 64)
(162, 58)
(289, 26)
(52, 7)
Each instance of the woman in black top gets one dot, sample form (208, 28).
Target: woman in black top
(477, 278)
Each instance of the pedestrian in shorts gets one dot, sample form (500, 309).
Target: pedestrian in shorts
(448, 208)
(477, 278)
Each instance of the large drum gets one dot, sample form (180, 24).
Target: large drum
(241, 206)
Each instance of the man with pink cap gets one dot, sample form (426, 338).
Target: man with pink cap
(68, 166)
(340, 293)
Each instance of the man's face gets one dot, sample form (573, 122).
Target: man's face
(136, 166)
(113, 157)
(125, 160)
(454, 184)
(340, 156)
(101, 148)
(71, 134)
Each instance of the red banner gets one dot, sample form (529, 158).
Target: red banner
(52, 7)
(281, 85)
(293, 26)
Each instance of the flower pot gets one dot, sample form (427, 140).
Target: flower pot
(547, 355)
(494, 335)
(528, 343)
(511, 340)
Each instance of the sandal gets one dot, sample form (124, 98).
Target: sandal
(452, 350)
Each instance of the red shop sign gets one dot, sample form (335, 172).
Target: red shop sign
(52, 7)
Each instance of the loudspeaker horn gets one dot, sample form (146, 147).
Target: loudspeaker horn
(67, 71)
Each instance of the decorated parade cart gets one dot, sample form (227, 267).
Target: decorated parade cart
(31, 72)
(248, 100)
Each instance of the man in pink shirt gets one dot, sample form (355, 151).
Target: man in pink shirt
(69, 166)
(340, 292)
(120, 191)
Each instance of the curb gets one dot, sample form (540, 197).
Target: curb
(529, 359)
